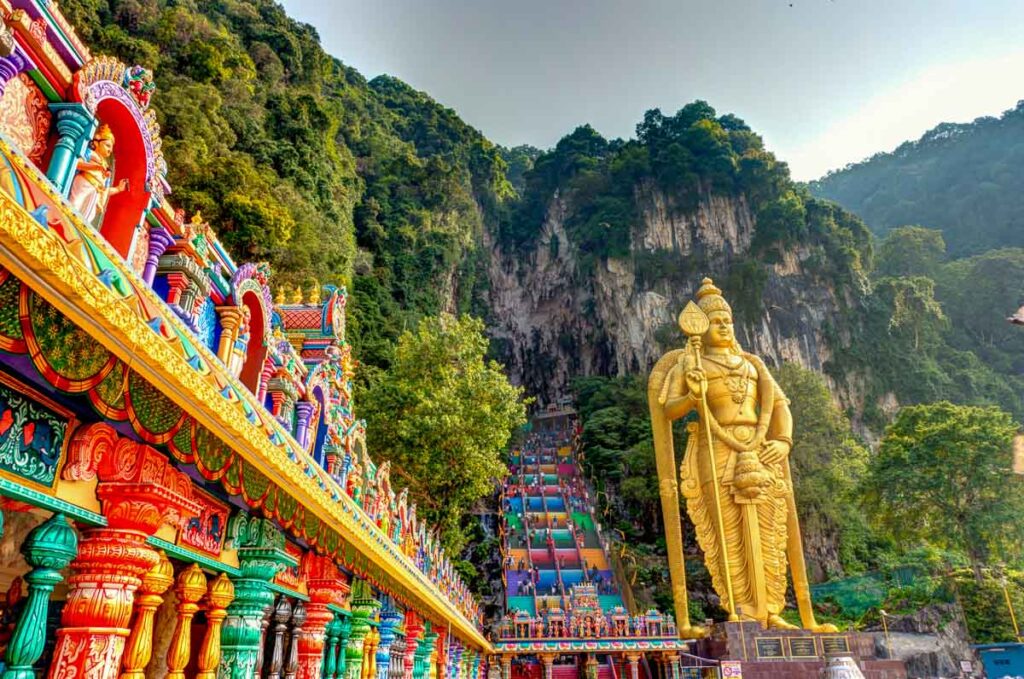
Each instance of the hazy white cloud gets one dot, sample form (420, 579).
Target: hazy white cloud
(953, 92)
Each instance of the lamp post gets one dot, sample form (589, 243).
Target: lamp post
(1009, 606)
(885, 630)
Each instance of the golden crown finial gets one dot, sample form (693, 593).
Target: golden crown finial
(191, 584)
(221, 592)
(160, 576)
(314, 294)
(709, 298)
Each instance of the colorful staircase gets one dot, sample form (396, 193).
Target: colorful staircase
(564, 607)
(551, 537)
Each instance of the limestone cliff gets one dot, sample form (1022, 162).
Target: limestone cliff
(555, 316)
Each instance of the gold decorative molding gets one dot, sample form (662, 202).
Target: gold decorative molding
(22, 24)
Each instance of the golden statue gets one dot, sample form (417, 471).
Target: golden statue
(740, 498)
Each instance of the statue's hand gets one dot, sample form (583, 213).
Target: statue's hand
(696, 380)
(773, 452)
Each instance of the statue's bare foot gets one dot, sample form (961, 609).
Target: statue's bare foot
(824, 628)
(693, 632)
(776, 622)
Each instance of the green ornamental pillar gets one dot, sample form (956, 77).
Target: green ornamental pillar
(363, 606)
(261, 555)
(49, 548)
(75, 127)
(346, 632)
(329, 667)
(421, 666)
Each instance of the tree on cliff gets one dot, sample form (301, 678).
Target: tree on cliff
(443, 415)
(910, 251)
(828, 466)
(943, 474)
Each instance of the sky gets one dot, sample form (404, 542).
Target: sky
(825, 82)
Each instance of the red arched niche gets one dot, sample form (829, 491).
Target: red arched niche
(256, 352)
(124, 211)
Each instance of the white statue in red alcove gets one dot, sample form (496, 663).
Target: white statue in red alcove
(91, 187)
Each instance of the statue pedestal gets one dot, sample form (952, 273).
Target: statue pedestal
(792, 654)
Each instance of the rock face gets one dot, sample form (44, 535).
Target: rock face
(557, 315)
(932, 642)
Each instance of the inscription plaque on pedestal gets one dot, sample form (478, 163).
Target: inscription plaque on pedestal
(835, 645)
(770, 647)
(802, 647)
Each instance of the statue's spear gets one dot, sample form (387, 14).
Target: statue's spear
(694, 323)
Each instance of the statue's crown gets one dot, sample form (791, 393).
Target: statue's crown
(709, 298)
(104, 132)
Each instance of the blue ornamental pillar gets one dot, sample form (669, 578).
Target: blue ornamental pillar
(456, 660)
(75, 127)
(389, 620)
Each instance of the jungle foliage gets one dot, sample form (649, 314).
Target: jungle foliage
(959, 178)
(934, 329)
(443, 415)
(943, 476)
(686, 157)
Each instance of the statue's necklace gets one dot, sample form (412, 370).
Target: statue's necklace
(737, 379)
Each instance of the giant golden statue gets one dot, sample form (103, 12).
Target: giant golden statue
(735, 473)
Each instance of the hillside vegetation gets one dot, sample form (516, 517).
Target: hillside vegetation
(963, 179)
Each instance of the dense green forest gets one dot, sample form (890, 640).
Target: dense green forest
(687, 155)
(963, 179)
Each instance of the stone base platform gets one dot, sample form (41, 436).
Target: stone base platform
(791, 654)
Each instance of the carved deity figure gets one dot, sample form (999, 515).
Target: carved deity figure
(401, 517)
(91, 188)
(735, 473)
(354, 486)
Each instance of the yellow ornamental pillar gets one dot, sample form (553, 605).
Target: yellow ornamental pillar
(370, 654)
(139, 649)
(231, 319)
(190, 589)
(219, 596)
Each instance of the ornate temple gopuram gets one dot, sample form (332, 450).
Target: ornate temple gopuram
(186, 490)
